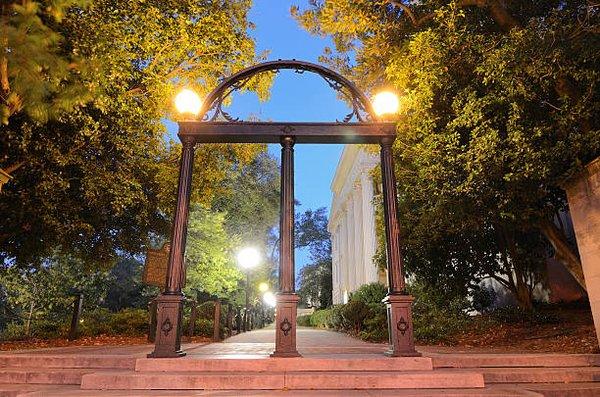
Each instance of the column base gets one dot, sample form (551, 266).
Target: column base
(400, 326)
(285, 326)
(168, 326)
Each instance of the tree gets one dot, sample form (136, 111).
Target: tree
(500, 105)
(45, 293)
(209, 256)
(315, 284)
(125, 289)
(98, 179)
(37, 76)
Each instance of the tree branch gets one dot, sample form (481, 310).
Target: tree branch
(416, 22)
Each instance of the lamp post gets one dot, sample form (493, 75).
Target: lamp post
(248, 258)
(169, 303)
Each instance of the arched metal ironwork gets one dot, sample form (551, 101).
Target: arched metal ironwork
(212, 109)
(214, 125)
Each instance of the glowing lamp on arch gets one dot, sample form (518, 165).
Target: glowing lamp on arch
(386, 103)
(188, 102)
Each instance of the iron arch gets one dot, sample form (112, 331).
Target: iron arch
(362, 109)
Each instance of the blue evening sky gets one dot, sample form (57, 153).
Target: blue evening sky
(295, 97)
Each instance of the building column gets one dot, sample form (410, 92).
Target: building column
(344, 276)
(370, 238)
(398, 302)
(351, 260)
(287, 300)
(583, 193)
(170, 302)
(359, 266)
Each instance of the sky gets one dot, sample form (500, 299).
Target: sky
(295, 97)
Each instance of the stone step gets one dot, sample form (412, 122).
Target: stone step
(67, 361)
(285, 364)
(48, 376)
(514, 360)
(17, 390)
(584, 389)
(334, 380)
(539, 375)
(492, 391)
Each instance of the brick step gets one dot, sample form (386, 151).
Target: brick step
(47, 376)
(514, 360)
(492, 391)
(285, 364)
(334, 380)
(66, 361)
(538, 375)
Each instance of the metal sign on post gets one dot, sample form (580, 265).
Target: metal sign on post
(155, 267)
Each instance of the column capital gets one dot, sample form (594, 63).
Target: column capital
(187, 140)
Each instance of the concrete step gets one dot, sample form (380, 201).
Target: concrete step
(67, 361)
(333, 380)
(514, 360)
(48, 376)
(285, 364)
(539, 375)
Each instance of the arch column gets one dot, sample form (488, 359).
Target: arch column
(170, 302)
(398, 302)
(287, 300)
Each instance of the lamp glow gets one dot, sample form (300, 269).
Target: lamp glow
(187, 101)
(248, 258)
(386, 103)
(263, 287)
(270, 299)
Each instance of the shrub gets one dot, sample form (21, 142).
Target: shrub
(303, 321)
(370, 294)
(354, 313)
(204, 327)
(321, 318)
(131, 322)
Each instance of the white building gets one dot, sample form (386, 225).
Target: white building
(352, 223)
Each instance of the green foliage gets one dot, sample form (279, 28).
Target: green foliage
(437, 317)
(210, 254)
(303, 321)
(98, 180)
(370, 294)
(315, 284)
(37, 76)
(499, 106)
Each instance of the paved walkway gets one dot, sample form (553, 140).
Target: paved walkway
(310, 342)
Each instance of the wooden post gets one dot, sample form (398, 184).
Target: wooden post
(287, 300)
(398, 302)
(229, 319)
(217, 322)
(77, 305)
(170, 302)
(152, 320)
(193, 317)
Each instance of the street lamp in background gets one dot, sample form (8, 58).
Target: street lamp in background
(248, 258)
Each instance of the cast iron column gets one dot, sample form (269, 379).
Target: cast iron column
(287, 300)
(398, 302)
(170, 302)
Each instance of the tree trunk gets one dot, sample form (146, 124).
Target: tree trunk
(563, 251)
(29, 317)
(523, 295)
